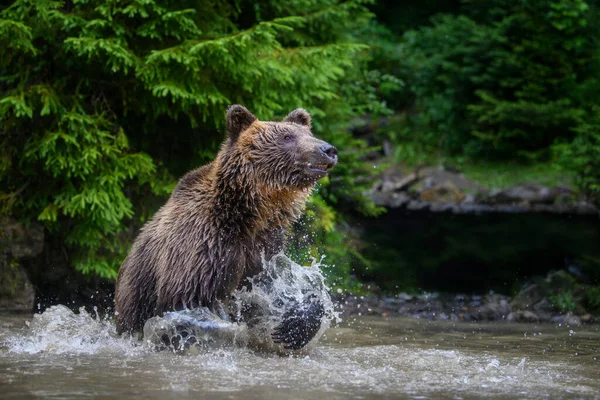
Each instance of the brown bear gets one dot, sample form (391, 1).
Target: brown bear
(222, 218)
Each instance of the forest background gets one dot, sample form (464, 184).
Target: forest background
(105, 103)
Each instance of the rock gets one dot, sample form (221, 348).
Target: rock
(428, 183)
(572, 320)
(587, 318)
(399, 200)
(526, 193)
(443, 175)
(544, 316)
(21, 241)
(443, 207)
(405, 297)
(522, 316)
(416, 205)
(559, 280)
(565, 196)
(567, 319)
(17, 242)
(535, 296)
(543, 306)
(444, 192)
(469, 199)
(16, 291)
(496, 308)
(380, 198)
(440, 189)
(427, 296)
(527, 297)
(461, 297)
(395, 183)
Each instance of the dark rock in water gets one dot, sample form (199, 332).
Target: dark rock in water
(16, 291)
(17, 243)
(43, 261)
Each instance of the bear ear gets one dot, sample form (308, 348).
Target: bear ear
(299, 116)
(238, 120)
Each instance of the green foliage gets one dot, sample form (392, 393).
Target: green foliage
(503, 174)
(563, 301)
(103, 103)
(582, 155)
(593, 298)
(501, 80)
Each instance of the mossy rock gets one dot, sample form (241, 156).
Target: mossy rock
(559, 288)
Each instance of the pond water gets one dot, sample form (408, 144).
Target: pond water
(366, 357)
(475, 253)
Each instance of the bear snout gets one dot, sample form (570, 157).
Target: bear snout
(330, 152)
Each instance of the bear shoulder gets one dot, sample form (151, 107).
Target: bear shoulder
(192, 179)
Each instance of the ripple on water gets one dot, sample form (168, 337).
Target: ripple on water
(393, 369)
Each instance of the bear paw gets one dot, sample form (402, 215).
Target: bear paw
(300, 324)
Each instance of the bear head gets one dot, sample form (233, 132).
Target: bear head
(282, 154)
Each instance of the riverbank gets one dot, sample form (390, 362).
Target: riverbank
(458, 307)
(445, 189)
(560, 297)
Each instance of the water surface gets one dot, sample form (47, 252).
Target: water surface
(366, 357)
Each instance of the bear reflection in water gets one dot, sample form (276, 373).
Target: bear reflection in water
(285, 308)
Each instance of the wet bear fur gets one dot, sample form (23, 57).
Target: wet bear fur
(210, 235)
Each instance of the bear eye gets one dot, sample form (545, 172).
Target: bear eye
(288, 137)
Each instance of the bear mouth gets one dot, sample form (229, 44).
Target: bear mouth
(319, 170)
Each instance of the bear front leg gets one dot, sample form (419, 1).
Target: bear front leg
(300, 324)
(269, 243)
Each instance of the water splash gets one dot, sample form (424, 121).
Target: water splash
(59, 330)
(281, 284)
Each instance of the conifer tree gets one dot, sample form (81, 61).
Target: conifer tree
(104, 103)
(502, 79)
